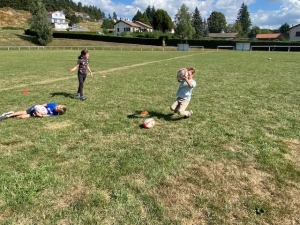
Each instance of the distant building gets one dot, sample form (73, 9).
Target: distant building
(294, 33)
(84, 16)
(130, 27)
(269, 37)
(58, 20)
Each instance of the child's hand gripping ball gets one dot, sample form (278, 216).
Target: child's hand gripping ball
(182, 73)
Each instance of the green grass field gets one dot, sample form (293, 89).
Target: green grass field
(235, 161)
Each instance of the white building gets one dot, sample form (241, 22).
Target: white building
(294, 33)
(58, 20)
(130, 27)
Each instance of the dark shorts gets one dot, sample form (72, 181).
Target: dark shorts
(30, 111)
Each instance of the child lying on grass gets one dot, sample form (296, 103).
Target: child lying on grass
(45, 110)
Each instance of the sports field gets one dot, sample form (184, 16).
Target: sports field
(235, 161)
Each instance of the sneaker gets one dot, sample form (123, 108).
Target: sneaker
(82, 98)
(77, 95)
(7, 113)
(2, 117)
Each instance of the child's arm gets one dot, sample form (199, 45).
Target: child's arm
(38, 114)
(90, 70)
(74, 68)
(188, 81)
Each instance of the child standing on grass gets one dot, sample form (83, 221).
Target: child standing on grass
(45, 110)
(83, 67)
(184, 94)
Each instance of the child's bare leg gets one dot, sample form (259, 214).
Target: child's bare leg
(23, 116)
(17, 114)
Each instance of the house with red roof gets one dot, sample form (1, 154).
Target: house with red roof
(269, 37)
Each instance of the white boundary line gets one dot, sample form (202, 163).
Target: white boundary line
(103, 71)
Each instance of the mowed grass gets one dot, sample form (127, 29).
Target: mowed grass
(235, 161)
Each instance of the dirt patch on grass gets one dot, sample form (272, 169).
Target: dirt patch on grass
(294, 153)
(75, 193)
(226, 192)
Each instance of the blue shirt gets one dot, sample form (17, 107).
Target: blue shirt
(184, 91)
(50, 108)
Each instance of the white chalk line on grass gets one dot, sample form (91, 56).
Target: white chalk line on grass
(102, 71)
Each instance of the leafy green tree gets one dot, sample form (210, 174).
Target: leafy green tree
(216, 22)
(244, 18)
(138, 16)
(150, 12)
(79, 7)
(145, 19)
(230, 28)
(205, 27)
(237, 27)
(74, 19)
(184, 24)
(198, 23)
(162, 21)
(39, 22)
(254, 31)
(115, 17)
(107, 24)
(284, 28)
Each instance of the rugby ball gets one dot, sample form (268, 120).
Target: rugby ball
(181, 73)
(149, 123)
(41, 109)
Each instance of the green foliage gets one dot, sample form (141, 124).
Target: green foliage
(150, 13)
(198, 24)
(254, 31)
(107, 24)
(153, 34)
(284, 28)
(138, 16)
(162, 21)
(243, 18)
(184, 24)
(73, 19)
(39, 22)
(216, 22)
(115, 17)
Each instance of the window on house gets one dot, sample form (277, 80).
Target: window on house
(297, 34)
(118, 29)
(126, 29)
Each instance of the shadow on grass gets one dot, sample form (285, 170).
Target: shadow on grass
(158, 115)
(31, 39)
(64, 94)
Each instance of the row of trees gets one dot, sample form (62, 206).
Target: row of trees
(192, 25)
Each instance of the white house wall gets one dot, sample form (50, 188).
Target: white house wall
(292, 33)
(123, 27)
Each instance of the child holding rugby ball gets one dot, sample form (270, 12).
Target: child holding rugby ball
(184, 94)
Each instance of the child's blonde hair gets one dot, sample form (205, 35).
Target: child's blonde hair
(191, 69)
(62, 109)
